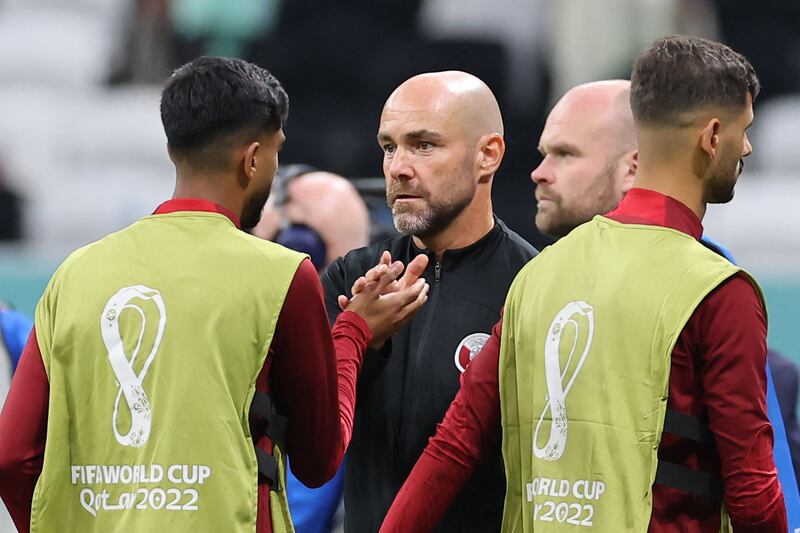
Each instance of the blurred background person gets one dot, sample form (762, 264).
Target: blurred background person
(219, 28)
(316, 212)
(10, 210)
(605, 29)
(322, 215)
(14, 330)
(142, 53)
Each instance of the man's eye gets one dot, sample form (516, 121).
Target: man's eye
(424, 145)
(388, 148)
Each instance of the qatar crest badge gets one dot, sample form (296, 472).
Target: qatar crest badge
(468, 348)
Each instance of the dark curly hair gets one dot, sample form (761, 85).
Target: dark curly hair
(214, 97)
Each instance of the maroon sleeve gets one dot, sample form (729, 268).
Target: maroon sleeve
(313, 376)
(23, 428)
(730, 330)
(471, 424)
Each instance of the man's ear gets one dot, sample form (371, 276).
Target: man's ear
(250, 163)
(630, 166)
(492, 149)
(709, 137)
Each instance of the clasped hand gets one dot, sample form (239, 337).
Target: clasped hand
(384, 301)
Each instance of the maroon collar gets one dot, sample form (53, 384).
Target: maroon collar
(644, 206)
(195, 204)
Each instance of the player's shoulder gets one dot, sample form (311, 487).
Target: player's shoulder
(247, 244)
(515, 243)
(81, 256)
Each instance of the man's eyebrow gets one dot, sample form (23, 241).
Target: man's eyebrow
(424, 134)
(412, 136)
(559, 147)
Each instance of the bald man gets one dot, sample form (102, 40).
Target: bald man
(441, 135)
(590, 156)
(326, 203)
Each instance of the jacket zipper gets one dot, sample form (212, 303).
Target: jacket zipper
(423, 341)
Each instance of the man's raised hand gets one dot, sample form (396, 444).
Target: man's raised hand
(412, 273)
(385, 302)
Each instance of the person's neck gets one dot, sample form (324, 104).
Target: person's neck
(208, 188)
(674, 180)
(472, 224)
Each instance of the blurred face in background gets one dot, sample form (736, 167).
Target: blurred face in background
(429, 160)
(589, 159)
(327, 203)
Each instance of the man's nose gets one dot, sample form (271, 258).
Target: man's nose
(400, 166)
(543, 173)
(748, 148)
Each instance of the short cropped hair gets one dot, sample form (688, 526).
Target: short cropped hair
(679, 75)
(212, 97)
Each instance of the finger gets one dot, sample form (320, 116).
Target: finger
(388, 277)
(414, 270)
(409, 310)
(343, 300)
(358, 286)
(374, 273)
(392, 287)
(407, 295)
(414, 306)
(369, 290)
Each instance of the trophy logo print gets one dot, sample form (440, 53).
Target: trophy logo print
(577, 318)
(130, 383)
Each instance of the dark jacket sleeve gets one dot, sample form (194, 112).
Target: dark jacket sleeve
(334, 283)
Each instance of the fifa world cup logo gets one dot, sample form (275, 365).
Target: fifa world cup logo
(130, 383)
(574, 327)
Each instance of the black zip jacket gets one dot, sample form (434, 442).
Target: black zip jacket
(405, 389)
